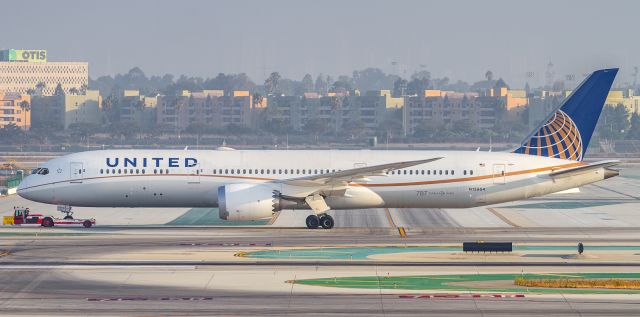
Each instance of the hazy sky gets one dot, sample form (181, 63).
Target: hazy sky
(459, 39)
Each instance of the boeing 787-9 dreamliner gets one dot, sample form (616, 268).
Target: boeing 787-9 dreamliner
(255, 184)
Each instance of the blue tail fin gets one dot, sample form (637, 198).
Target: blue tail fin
(567, 131)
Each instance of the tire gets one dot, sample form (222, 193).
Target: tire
(47, 222)
(68, 217)
(326, 222)
(87, 224)
(312, 222)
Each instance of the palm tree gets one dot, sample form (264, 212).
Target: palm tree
(25, 106)
(40, 87)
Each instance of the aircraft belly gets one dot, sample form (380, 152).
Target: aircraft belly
(427, 197)
(138, 193)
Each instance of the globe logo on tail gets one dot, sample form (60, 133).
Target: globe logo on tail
(559, 137)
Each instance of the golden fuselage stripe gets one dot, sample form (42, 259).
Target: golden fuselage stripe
(443, 181)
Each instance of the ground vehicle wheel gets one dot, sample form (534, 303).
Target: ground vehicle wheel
(312, 222)
(87, 224)
(326, 222)
(47, 222)
(68, 217)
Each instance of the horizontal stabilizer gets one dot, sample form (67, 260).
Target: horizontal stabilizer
(583, 169)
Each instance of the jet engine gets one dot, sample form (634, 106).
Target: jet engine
(245, 201)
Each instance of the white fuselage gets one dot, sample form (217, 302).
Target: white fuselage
(190, 178)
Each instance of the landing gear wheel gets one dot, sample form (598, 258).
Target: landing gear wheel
(87, 224)
(312, 222)
(47, 222)
(326, 222)
(67, 217)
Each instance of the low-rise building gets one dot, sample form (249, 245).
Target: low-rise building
(15, 109)
(210, 107)
(337, 112)
(138, 109)
(443, 107)
(61, 111)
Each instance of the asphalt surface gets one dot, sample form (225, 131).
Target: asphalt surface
(48, 272)
(44, 292)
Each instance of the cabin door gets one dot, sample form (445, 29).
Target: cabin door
(499, 173)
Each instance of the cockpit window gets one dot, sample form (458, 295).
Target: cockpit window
(35, 170)
(43, 171)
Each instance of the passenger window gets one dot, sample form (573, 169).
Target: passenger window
(226, 171)
(262, 171)
(125, 171)
(155, 171)
(142, 171)
(285, 171)
(452, 172)
(470, 172)
(411, 172)
(464, 172)
(238, 171)
(231, 171)
(440, 172)
(107, 171)
(244, 171)
(446, 172)
(119, 171)
(101, 171)
(137, 171)
(160, 171)
(297, 171)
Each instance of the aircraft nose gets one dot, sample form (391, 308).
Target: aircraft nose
(23, 188)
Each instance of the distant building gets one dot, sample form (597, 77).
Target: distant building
(138, 109)
(64, 110)
(210, 107)
(15, 108)
(437, 107)
(83, 108)
(22, 70)
(337, 112)
(626, 98)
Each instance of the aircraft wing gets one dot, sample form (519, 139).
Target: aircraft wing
(583, 169)
(350, 175)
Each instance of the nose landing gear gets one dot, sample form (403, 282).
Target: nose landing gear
(325, 221)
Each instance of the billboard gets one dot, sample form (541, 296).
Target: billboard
(12, 55)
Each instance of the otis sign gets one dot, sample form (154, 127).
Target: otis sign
(25, 55)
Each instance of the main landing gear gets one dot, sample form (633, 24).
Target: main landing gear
(325, 221)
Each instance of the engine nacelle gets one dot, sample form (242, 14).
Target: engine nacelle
(246, 201)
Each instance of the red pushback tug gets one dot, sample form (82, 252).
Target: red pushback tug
(23, 216)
